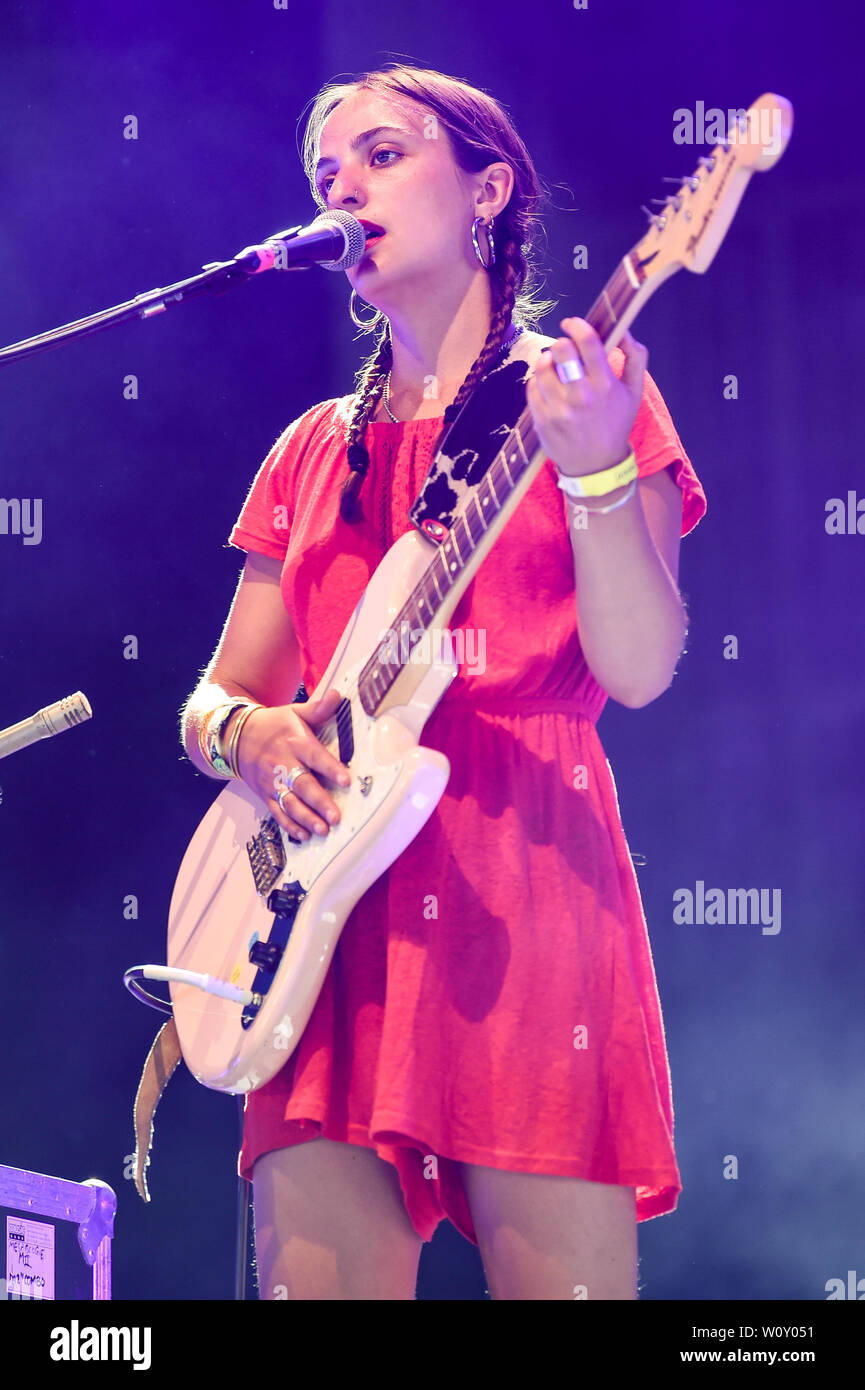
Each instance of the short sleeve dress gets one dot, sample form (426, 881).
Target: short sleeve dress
(492, 998)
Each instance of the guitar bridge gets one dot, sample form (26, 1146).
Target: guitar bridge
(266, 856)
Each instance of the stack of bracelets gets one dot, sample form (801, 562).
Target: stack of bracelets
(210, 734)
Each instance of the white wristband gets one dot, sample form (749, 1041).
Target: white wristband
(610, 507)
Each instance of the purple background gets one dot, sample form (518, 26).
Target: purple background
(745, 773)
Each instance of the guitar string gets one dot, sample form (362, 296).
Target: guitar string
(618, 293)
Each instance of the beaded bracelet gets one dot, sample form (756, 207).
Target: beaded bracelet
(210, 735)
(206, 745)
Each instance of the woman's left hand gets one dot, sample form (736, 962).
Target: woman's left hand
(584, 425)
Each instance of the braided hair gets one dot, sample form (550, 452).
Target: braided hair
(373, 375)
(371, 380)
(480, 133)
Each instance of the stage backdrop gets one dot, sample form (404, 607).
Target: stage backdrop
(138, 146)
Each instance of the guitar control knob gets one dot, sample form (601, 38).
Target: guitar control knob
(284, 902)
(265, 955)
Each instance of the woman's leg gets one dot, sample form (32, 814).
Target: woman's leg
(544, 1237)
(330, 1223)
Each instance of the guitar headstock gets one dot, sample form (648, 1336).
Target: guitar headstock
(693, 221)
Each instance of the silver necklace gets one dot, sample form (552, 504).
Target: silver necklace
(516, 330)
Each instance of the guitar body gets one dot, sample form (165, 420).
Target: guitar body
(218, 914)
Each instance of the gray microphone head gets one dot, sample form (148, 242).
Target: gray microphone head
(355, 238)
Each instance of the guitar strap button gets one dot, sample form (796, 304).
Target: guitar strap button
(436, 530)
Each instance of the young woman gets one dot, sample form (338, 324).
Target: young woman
(488, 1045)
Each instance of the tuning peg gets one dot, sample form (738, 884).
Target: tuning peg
(664, 202)
(693, 182)
(655, 218)
(707, 161)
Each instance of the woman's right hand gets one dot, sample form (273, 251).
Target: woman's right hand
(277, 738)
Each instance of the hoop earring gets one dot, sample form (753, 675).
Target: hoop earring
(362, 323)
(489, 231)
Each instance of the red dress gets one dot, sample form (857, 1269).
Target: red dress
(492, 998)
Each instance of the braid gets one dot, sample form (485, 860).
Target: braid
(508, 261)
(505, 279)
(370, 386)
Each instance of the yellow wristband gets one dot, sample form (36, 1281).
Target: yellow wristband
(597, 484)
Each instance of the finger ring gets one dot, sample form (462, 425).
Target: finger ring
(293, 775)
(288, 783)
(569, 370)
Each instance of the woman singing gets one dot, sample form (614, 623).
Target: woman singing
(488, 1045)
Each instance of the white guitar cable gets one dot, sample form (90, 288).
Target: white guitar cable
(209, 983)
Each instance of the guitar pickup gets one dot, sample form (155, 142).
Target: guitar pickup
(345, 731)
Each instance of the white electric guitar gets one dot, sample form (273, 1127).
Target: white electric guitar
(255, 916)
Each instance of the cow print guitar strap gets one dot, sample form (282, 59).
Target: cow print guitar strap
(472, 443)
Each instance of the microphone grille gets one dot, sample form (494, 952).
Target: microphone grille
(355, 238)
(65, 713)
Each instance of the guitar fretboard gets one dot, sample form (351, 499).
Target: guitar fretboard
(478, 514)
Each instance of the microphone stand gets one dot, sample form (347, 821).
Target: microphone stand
(242, 1237)
(214, 278)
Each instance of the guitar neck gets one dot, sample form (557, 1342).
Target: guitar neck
(481, 521)
(687, 233)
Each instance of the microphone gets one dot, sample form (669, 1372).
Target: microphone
(53, 719)
(335, 241)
